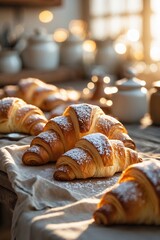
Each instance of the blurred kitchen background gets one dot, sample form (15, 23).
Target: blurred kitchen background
(77, 39)
(107, 35)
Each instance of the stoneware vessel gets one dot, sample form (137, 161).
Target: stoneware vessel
(130, 102)
(107, 57)
(41, 52)
(154, 103)
(71, 52)
(10, 61)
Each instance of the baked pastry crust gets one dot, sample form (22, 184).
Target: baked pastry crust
(135, 199)
(94, 156)
(18, 116)
(76, 121)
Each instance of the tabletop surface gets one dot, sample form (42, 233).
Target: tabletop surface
(147, 139)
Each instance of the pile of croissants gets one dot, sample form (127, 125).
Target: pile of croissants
(86, 143)
(48, 97)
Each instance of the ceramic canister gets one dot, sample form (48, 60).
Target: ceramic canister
(154, 103)
(130, 102)
(71, 52)
(10, 61)
(41, 52)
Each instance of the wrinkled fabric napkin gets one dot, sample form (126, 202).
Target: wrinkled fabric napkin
(42, 200)
(48, 209)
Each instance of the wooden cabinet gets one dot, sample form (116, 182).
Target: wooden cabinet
(30, 3)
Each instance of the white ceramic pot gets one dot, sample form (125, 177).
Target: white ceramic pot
(130, 102)
(71, 52)
(107, 57)
(41, 52)
(10, 61)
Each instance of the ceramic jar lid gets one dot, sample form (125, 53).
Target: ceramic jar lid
(40, 35)
(130, 82)
(156, 85)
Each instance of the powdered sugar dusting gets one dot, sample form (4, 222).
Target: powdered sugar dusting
(48, 136)
(89, 187)
(127, 191)
(6, 103)
(34, 149)
(104, 124)
(63, 122)
(83, 112)
(152, 170)
(79, 155)
(100, 141)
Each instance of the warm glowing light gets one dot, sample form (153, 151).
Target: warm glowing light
(60, 35)
(94, 78)
(137, 51)
(62, 92)
(73, 95)
(106, 80)
(78, 28)
(155, 6)
(120, 48)
(47, 215)
(133, 35)
(109, 103)
(144, 90)
(155, 51)
(103, 101)
(90, 85)
(86, 91)
(106, 102)
(157, 83)
(110, 90)
(140, 67)
(154, 24)
(153, 67)
(89, 46)
(46, 16)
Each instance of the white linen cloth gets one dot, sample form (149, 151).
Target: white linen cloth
(48, 209)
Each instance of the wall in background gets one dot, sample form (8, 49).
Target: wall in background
(28, 17)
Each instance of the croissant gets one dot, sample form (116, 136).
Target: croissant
(18, 116)
(76, 121)
(36, 92)
(94, 156)
(134, 199)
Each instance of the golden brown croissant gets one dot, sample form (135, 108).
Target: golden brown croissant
(94, 156)
(36, 92)
(135, 199)
(18, 116)
(77, 121)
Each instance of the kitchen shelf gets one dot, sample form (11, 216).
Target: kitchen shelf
(30, 3)
(61, 74)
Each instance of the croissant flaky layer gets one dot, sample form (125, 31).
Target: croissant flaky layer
(94, 156)
(36, 92)
(77, 121)
(18, 116)
(135, 199)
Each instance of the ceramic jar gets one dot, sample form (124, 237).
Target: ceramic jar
(154, 103)
(41, 52)
(107, 57)
(10, 61)
(130, 102)
(71, 52)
